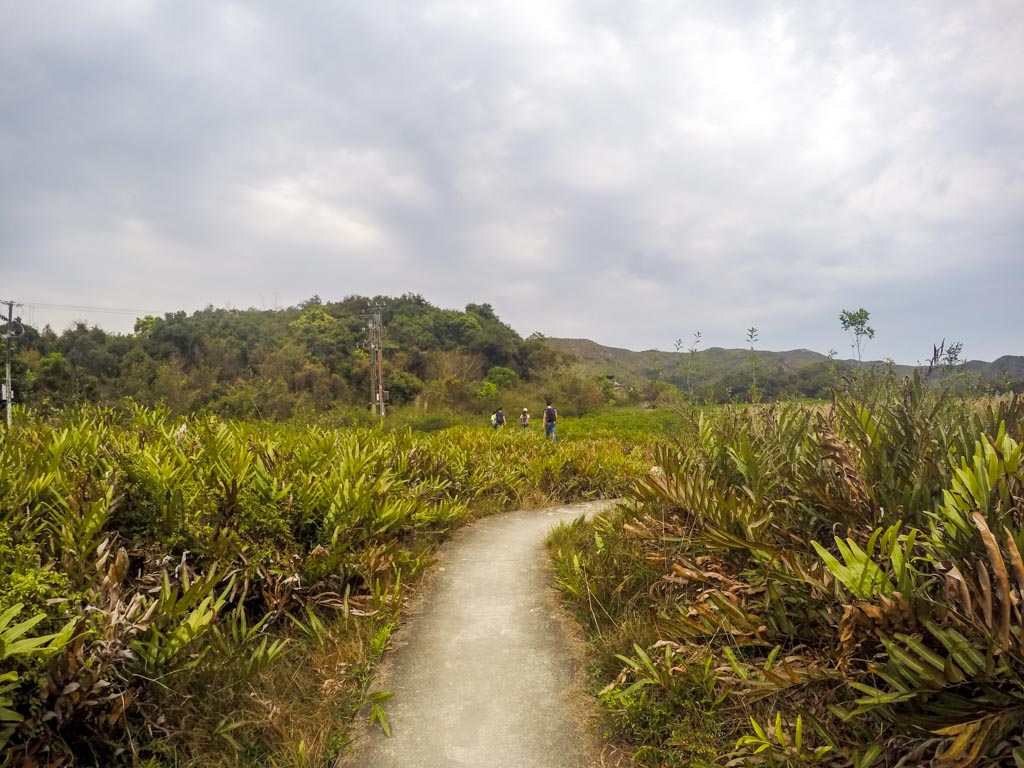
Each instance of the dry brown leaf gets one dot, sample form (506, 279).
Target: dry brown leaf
(1002, 578)
(985, 598)
(958, 585)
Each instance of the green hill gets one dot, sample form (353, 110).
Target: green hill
(312, 358)
(718, 373)
(308, 358)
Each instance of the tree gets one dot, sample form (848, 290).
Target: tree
(949, 361)
(754, 392)
(856, 324)
(326, 337)
(403, 386)
(952, 358)
(54, 373)
(487, 393)
(691, 361)
(484, 311)
(503, 378)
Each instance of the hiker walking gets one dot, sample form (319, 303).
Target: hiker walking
(499, 419)
(550, 417)
(524, 418)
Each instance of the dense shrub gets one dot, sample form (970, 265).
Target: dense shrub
(175, 556)
(835, 585)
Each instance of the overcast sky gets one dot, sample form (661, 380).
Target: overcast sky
(625, 172)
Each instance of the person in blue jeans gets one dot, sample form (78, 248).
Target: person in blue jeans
(550, 417)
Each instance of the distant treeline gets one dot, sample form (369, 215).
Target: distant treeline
(274, 363)
(312, 358)
(719, 375)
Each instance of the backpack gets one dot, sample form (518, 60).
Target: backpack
(550, 415)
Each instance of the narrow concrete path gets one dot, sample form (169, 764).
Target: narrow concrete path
(485, 673)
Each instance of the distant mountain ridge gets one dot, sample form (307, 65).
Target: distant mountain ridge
(798, 370)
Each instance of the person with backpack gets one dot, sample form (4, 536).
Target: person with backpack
(550, 417)
(499, 419)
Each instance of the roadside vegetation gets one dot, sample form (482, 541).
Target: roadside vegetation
(201, 592)
(833, 584)
(206, 539)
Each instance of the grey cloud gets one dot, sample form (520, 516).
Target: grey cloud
(665, 168)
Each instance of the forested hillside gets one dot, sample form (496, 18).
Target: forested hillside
(307, 358)
(312, 358)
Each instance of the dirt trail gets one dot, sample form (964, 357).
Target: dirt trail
(485, 672)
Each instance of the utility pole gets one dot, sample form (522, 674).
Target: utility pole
(8, 335)
(375, 343)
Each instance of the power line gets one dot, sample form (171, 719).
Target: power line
(84, 308)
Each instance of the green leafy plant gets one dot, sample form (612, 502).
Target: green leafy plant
(854, 568)
(16, 640)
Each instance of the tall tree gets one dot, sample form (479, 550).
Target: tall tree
(856, 324)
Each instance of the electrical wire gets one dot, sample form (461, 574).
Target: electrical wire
(83, 308)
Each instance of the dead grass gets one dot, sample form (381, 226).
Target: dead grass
(298, 713)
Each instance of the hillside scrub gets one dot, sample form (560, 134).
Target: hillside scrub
(296, 362)
(838, 585)
(309, 362)
(725, 375)
(197, 591)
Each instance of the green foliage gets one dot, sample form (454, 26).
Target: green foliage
(780, 746)
(633, 424)
(278, 364)
(852, 575)
(503, 378)
(724, 375)
(24, 581)
(487, 393)
(160, 558)
(856, 324)
(19, 640)
(377, 714)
